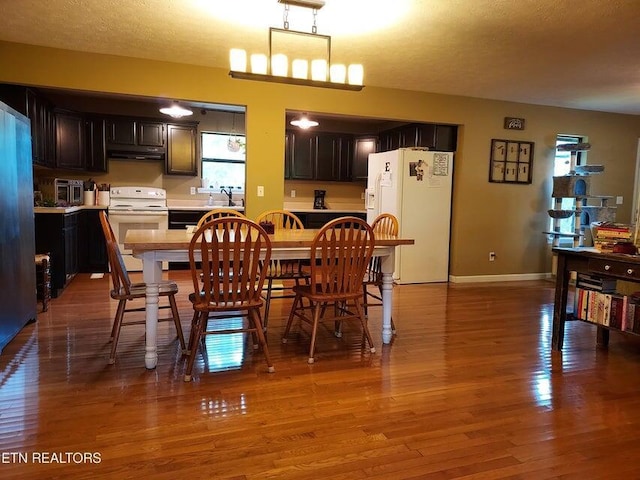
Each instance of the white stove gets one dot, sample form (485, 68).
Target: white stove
(138, 208)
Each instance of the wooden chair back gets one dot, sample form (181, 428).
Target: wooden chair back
(218, 213)
(281, 220)
(234, 255)
(385, 223)
(119, 275)
(340, 254)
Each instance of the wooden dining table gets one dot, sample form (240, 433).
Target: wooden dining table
(156, 246)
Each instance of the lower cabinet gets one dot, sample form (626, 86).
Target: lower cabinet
(318, 220)
(179, 220)
(57, 234)
(76, 244)
(92, 248)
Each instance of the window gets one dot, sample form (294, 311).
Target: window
(223, 160)
(562, 166)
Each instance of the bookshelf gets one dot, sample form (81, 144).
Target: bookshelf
(588, 262)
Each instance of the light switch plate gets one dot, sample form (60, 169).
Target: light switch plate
(260, 190)
(293, 194)
(619, 200)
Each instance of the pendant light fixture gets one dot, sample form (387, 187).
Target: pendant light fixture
(303, 122)
(275, 67)
(176, 111)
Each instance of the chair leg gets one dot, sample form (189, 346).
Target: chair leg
(115, 331)
(393, 325)
(296, 301)
(176, 320)
(267, 303)
(254, 317)
(365, 326)
(192, 332)
(200, 319)
(316, 319)
(364, 300)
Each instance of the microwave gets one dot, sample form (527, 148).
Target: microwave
(63, 192)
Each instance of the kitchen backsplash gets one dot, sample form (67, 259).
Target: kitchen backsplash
(151, 174)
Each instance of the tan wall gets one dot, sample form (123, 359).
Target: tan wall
(507, 219)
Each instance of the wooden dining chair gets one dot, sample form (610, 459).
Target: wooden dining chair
(387, 224)
(282, 270)
(124, 290)
(228, 258)
(218, 213)
(340, 254)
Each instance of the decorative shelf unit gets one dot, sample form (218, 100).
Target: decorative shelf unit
(577, 185)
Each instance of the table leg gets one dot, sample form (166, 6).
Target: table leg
(152, 274)
(560, 303)
(388, 265)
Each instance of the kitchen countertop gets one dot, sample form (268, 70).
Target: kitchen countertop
(205, 208)
(63, 210)
(200, 205)
(335, 208)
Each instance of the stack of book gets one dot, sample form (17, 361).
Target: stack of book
(596, 301)
(607, 234)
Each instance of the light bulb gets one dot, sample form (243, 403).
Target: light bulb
(279, 65)
(356, 74)
(238, 60)
(338, 73)
(300, 68)
(259, 63)
(319, 70)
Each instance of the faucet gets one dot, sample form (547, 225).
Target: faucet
(229, 192)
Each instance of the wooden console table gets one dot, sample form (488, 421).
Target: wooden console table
(587, 260)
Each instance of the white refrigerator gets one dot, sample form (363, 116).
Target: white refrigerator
(415, 186)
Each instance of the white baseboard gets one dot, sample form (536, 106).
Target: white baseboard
(516, 277)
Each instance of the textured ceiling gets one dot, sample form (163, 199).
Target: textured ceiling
(570, 53)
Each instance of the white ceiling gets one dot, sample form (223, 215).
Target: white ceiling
(570, 53)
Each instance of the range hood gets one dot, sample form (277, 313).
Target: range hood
(135, 152)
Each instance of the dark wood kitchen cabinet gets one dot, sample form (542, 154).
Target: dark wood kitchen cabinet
(95, 144)
(92, 247)
(70, 141)
(427, 135)
(362, 147)
(182, 156)
(323, 156)
(127, 131)
(40, 113)
(58, 235)
(302, 156)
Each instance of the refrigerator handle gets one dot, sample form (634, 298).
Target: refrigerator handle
(372, 195)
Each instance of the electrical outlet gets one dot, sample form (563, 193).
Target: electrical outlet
(492, 256)
(293, 194)
(193, 190)
(260, 190)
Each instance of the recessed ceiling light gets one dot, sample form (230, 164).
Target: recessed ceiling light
(176, 111)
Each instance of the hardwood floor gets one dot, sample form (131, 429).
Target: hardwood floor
(469, 389)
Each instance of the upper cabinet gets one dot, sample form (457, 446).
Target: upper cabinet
(318, 156)
(182, 149)
(362, 147)
(70, 141)
(95, 144)
(436, 137)
(129, 137)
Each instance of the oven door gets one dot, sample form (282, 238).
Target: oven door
(123, 221)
